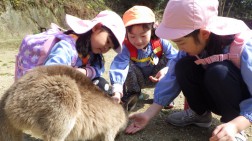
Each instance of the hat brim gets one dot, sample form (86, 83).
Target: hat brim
(114, 30)
(226, 26)
(138, 21)
(79, 26)
(218, 25)
(171, 33)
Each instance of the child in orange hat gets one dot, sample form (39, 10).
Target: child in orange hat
(144, 59)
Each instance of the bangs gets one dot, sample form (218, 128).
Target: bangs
(112, 37)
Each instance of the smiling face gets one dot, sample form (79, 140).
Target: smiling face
(193, 44)
(101, 41)
(139, 36)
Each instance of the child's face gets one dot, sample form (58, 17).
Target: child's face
(139, 37)
(189, 45)
(100, 40)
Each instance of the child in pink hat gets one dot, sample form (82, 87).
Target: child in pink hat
(212, 76)
(90, 39)
(144, 58)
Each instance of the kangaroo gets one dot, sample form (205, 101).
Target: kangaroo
(58, 103)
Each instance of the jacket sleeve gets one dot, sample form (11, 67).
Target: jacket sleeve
(119, 69)
(246, 71)
(98, 70)
(61, 53)
(167, 89)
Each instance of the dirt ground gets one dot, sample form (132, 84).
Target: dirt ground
(157, 130)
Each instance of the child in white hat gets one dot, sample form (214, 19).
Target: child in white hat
(91, 39)
(212, 76)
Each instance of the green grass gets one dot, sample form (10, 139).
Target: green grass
(5, 74)
(4, 64)
(13, 62)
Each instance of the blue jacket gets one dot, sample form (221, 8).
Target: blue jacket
(120, 66)
(62, 53)
(168, 89)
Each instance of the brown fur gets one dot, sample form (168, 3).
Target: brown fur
(57, 103)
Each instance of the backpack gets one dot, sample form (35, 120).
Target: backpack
(234, 53)
(34, 50)
(156, 48)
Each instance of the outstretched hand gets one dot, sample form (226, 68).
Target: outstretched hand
(224, 132)
(139, 121)
(153, 79)
(156, 78)
(159, 75)
(82, 70)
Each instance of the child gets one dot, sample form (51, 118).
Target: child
(92, 38)
(144, 58)
(222, 87)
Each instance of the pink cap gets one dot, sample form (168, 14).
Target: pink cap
(182, 17)
(107, 18)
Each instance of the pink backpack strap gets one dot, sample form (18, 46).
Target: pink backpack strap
(235, 51)
(234, 54)
(47, 46)
(212, 59)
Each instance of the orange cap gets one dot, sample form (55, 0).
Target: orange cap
(138, 15)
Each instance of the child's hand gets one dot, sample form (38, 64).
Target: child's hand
(82, 70)
(159, 75)
(225, 131)
(140, 120)
(117, 97)
(153, 79)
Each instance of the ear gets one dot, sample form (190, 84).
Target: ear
(97, 27)
(204, 34)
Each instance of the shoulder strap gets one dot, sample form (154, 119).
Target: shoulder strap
(155, 44)
(70, 39)
(47, 46)
(131, 48)
(234, 54)
(157, 47)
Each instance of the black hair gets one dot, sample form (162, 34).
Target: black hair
(112, 37)
(69, 32)
(83, 45)
(216, 42)
(146, 27)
